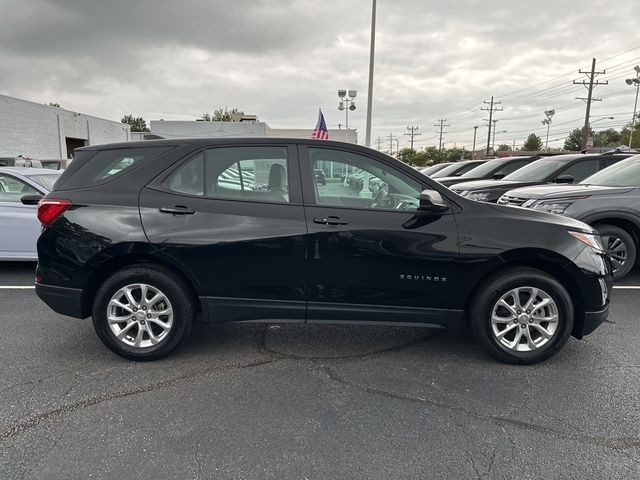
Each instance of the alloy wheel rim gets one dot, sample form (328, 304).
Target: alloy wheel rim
(524, 319)
(617, 249)
(140, 315)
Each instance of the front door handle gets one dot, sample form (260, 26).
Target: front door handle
(332, 221)
(178, 210)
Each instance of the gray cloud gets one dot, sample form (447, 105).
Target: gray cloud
(284, 59)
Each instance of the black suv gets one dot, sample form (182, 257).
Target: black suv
(145, 236)
(561, 169)
(608, 200)
(496, 169)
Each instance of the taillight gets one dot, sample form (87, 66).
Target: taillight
(49, 209)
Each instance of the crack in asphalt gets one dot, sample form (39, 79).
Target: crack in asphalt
(33, 420)
(262, 344)
(617, 443)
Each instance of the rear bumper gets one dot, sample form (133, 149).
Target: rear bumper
(62, 300)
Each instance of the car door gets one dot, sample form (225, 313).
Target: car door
(20, 225)
(372, 256)
(233, 217)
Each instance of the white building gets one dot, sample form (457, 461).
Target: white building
(198, 129)
(39, 131)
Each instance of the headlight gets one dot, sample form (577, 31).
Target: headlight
(478, 196)
(590, 239)
(552, 206)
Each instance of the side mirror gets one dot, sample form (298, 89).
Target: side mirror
(499, 175)
(30, 199)
(564, 179)
(432, 201)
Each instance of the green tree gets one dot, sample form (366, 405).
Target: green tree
(533, 143)
(504, 148)
(607, 138)
(626, 131)
(137, 124)
(573, 142)
(221, 115)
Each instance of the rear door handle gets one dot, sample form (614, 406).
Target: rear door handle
(332, 221)
(178, 210)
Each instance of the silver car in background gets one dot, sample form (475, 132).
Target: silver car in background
(19, 225)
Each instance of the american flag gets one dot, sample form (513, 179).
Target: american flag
(320, 132)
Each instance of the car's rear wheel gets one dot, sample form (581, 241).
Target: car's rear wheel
(143, 313)
(622, 248)
(521, 316)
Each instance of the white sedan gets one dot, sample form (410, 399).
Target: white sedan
(19, 225)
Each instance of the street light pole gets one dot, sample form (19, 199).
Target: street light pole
(493, 141)
(370, 89)
(547, 121)
(473, 152)
(634, 81)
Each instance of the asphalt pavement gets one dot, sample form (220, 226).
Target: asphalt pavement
(312, 402)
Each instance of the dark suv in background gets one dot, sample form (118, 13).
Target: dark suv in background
(496, 169)
(456, 169)
(145, 236)
(608, 200)
(558, 169)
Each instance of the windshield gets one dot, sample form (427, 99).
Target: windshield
(536, 171)
(45, 180)
(458, 167)
(623, 174)
(432, 169)
(484, 169)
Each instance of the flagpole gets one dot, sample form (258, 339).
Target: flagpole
(370, 91)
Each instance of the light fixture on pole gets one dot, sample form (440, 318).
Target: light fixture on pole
(547, 121)
(347, 103)
(634, 81)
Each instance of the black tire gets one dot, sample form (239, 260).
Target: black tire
(173, 288)
(611, 231)
(481, 308)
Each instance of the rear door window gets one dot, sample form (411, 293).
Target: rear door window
(235, 173)
(13, 189)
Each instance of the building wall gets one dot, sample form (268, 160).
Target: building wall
(40, 131)
(193, 129)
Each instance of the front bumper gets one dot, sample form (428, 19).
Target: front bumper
(62, 300)
(593, 320)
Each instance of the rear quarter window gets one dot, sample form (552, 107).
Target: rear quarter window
(106, 165)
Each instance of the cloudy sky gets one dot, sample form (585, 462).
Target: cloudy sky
(283, 59)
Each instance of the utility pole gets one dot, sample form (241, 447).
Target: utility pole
(413, 131)
(589, 86)
(379, 141)
(491, 109)
(473, 152)
(391, 139)
(441, 125)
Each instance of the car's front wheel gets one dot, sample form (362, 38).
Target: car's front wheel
(521, 316)
(143, 313)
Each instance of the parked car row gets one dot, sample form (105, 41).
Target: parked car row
(602, 190)
(52, 164)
